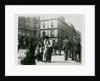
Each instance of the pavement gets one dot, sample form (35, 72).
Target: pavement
(55, 60)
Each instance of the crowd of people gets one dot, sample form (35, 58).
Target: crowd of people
(24, 41)
(46, 48)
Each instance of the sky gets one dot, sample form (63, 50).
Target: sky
(76, 20)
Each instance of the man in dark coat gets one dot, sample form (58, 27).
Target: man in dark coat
(76, 45)
(18, 45)
(46, 44)
(65, 47)
(49, 53)
(41, 48)
(71, 49)
(79, 49)
(54, 48)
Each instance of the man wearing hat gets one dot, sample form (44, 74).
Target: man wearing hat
(46, 45)
(49, 52)
(76, 49)
(65, 47)
(72, 42)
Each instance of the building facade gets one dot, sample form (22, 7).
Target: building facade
(29, 27)
(57, 29)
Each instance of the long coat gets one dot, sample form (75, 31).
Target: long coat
(49, 53)
(76, 45)
(29, 58)
(65, 46)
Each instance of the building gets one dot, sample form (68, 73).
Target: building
(56, 29)
(29, 27)
(78, 35)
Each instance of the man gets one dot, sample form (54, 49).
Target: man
(40, 50)
(54, 47)
(79, 50)
(46, 44)
(60, 46)
(65, 47)
(71, 49)
(76, 49)
(49, 53)
(18, 45)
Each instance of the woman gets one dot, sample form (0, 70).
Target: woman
(29, 58)
(32, 53)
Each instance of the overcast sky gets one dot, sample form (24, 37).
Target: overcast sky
(76, 20)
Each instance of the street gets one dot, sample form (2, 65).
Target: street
(56, 60)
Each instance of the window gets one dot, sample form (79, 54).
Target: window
(20, 22)
(28, 24)
(37, 25)
(52, 24)
(61, 26)
(43, 25)
(48, 26)
(58, 33)
(47, 33)
(28, 21)
(52, 33)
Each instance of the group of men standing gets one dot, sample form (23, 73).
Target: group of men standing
(72, 48)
